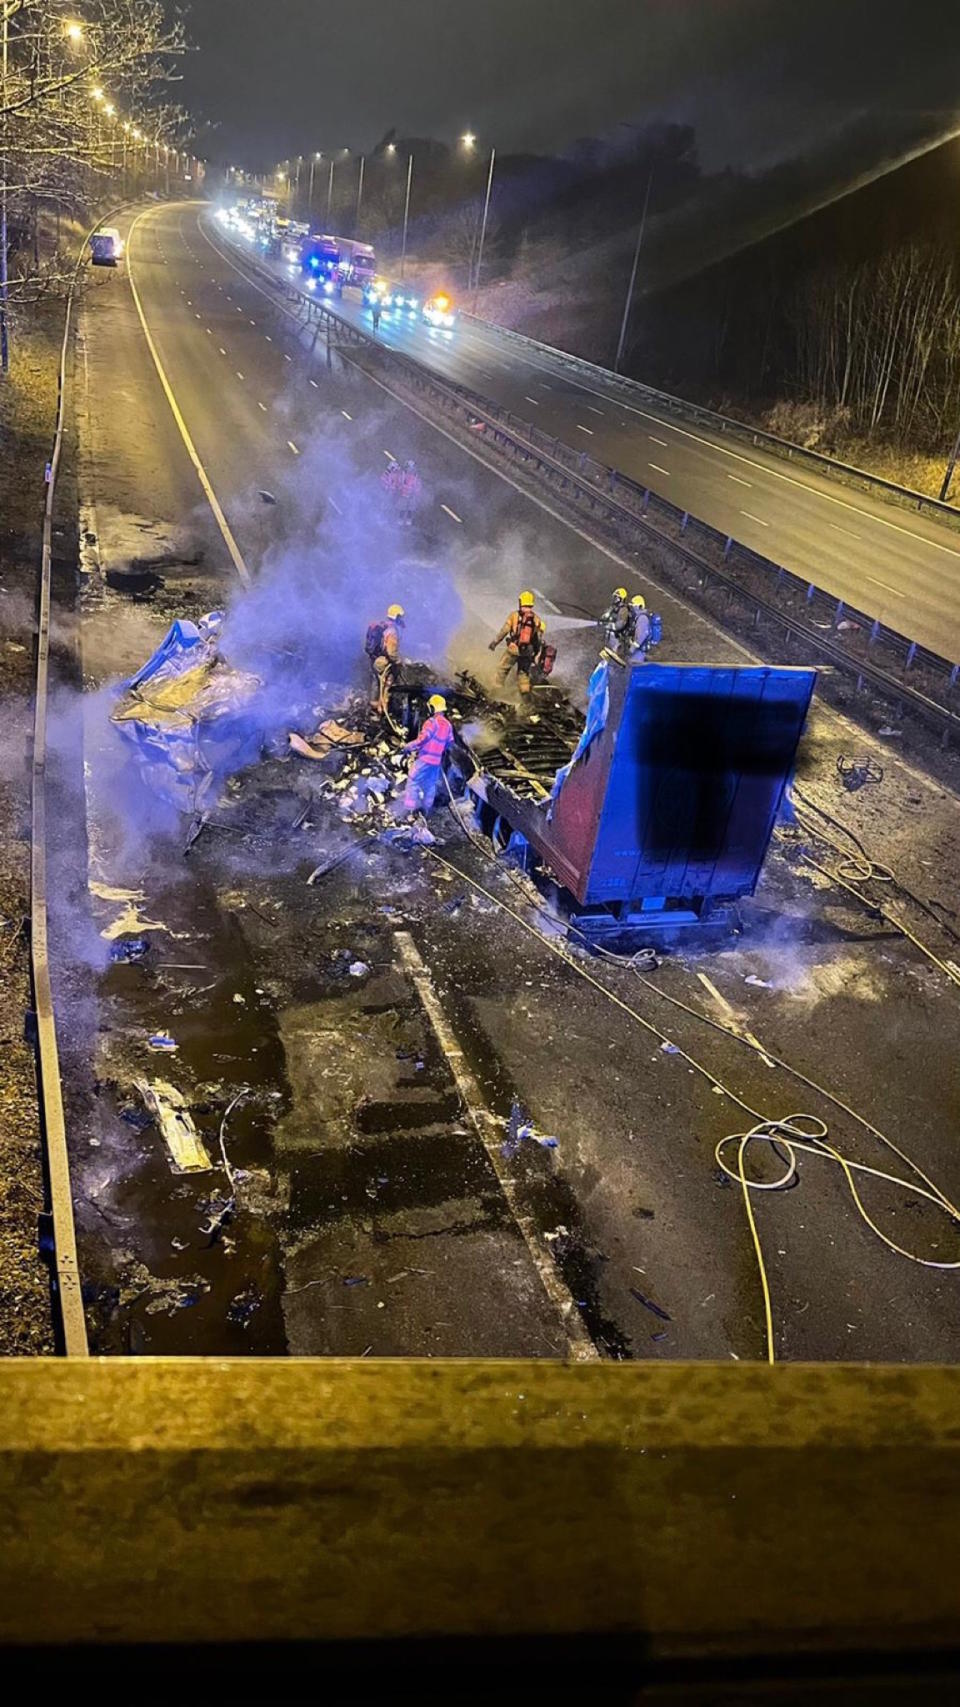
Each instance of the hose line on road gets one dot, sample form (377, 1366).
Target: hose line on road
(860, 867)
(795, 1133)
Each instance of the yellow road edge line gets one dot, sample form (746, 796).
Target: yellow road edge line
(235, 553)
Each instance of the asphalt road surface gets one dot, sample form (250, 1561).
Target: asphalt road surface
(901, 568)
(662, 1263)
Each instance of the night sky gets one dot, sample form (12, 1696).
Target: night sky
(759, 79)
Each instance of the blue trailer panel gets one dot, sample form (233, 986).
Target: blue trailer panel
(671, 797)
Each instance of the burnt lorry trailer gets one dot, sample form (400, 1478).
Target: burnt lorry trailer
(663, 811)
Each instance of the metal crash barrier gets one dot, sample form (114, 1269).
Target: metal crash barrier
(698, 1512)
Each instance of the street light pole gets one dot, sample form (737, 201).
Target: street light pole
(633, 279)
(4, 341)
(483, 226)
(406, 217)
(359, 193)
(313, 161)
(330, 193)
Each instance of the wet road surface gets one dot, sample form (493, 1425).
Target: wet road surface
(369, 1218)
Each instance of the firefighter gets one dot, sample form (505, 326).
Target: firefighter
(523, 632)
(615, 620)
(431, 744)
(382, 647)
(640, 629)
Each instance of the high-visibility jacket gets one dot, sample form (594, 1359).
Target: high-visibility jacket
(433, 740)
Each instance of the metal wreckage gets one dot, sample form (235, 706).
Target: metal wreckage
(653, 809)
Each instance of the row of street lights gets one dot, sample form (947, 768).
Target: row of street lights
(468, 142)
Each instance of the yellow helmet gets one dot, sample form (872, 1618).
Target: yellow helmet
(525, 599)
(639, 601)
(396, 613)
(437, 702)
(620, 593)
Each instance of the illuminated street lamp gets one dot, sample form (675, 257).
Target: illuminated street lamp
(96, 93)
(406, 217)
(468, 139)
(314, 158)
(73, 31)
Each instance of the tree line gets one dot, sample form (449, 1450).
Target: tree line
(86, 120)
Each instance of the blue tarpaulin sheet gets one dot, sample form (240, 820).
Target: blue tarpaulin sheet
(191, 719)
(598, 710)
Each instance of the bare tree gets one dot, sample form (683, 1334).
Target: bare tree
(84, 116)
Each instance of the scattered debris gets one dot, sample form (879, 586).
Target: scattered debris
(759, 983)
(162, 1042)
(886, 730)
(854, 775)
(520, 1131)
(669, 1048)
(129, 949)
(358, 969)
(242, 1307)
(173, 1117)
(165, 1294)
(648, 1304)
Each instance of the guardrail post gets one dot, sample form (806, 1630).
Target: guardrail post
(646, 499)
(874, 630)
(839, 611)
(953, 676)
(329, 352)
(811, 589)
(728, 545)
(911, 654)
(684, 520)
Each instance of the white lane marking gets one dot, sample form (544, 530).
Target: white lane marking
(286, 357)
(350, 418)
(387, 453)
(893, 590)
(542, 599)
(751, 462)
(253, 322)
(238, 311)
(543, 385)
(451, 513)
(315, 385)
(335, 506)
(657, 441)
(738, 480)
(846, 531)
(753, 518)
(262, 406)
(594, 411)
(293, 447)
(534, 400)
(239, 374)
(206, 329)
(211, 497)
(853, 730)
(222, 350)
(582, 429)
(659, 470)
(268, 337)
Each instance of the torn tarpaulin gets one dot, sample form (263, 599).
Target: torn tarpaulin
(598, 710)
(191, 718)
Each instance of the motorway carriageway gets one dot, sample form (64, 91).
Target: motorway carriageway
(258, 412)
(875, 555)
